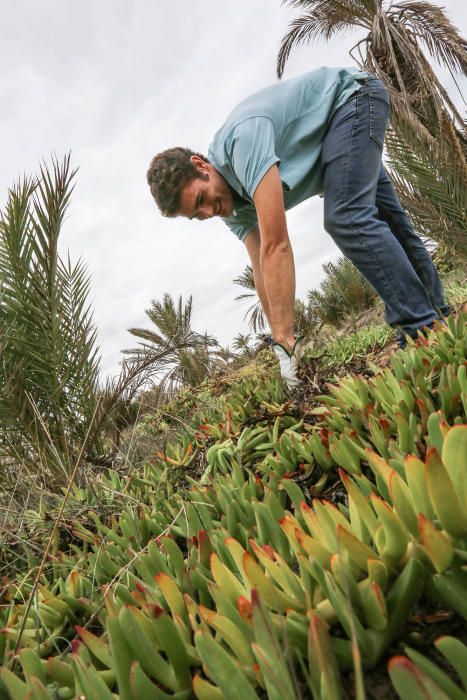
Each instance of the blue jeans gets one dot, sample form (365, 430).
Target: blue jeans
(363, 215)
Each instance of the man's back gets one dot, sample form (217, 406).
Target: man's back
(284, 123)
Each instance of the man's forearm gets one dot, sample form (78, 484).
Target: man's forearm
(262, 295)
(278, 277)
(275, 257)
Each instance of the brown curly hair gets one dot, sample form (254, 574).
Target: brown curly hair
(168, 174)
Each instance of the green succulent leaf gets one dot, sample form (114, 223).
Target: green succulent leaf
(411, 683)
(223, 670)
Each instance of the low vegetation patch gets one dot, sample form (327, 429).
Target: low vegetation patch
(270, 545)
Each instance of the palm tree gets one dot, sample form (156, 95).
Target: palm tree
(304, 323)
(426, 141)
(50, 364)
(255, 313)
(188, 358)
(241, 345)
(343, 293)
(225, 355)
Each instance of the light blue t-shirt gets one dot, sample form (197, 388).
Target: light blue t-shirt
(285, 124)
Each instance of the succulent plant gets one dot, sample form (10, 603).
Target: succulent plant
(244, 583)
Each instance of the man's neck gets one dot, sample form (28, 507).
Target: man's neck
(237, 199)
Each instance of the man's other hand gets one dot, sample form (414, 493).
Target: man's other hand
(289, 361)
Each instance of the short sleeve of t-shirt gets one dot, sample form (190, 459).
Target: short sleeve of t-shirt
(243, 222)
(252, 151)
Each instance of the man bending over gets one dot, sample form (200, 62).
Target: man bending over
(319, 133)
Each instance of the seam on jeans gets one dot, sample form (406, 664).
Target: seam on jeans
(354, 229)
(357, 110)
(373, 136)
(349, 148)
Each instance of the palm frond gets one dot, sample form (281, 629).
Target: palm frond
(429, 24)
(432, 187)
(50, 362)
(246, 279)
(244, 296)
(254, 314)
(321, 18)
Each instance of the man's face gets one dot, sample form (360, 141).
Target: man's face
(207, 196)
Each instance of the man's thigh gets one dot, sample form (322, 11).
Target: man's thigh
(352, 150)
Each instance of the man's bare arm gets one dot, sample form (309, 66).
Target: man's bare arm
(253, 246)
(275, 257)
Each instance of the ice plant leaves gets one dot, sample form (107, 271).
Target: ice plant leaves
(334, 579)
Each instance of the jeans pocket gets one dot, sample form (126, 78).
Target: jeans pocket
(379, 113)
(340, 130)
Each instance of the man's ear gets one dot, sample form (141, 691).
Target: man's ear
(201, 166)
(197, 161)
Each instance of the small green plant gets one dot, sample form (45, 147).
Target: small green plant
(356, 345)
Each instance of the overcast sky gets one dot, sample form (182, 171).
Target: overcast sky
(115, 82)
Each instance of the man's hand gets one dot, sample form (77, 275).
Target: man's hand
(289, 360)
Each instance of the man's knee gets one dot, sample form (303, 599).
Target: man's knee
(344, 220)
(350, 218)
